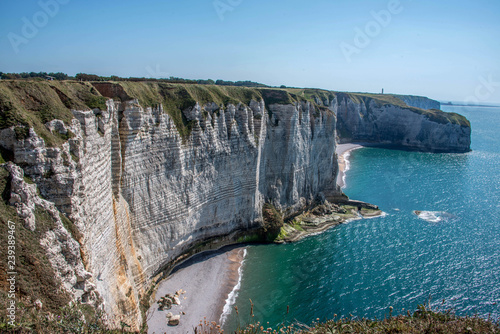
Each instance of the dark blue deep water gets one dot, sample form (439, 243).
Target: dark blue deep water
(364, 267)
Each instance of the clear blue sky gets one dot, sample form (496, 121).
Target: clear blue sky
(447, 50)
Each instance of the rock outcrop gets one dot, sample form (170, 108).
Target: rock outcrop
(143, 197)
(62, 250)
(147, 187)
(397, 126)
(419, 102)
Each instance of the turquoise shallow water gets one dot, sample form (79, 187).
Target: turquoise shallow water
(364, 267)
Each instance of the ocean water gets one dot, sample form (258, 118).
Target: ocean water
(449, 254)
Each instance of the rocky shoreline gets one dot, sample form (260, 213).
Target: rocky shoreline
(325, 216)
(207, 294)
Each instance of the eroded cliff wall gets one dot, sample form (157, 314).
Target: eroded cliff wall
(399, 126)
(142, 195)
(148, 182)
(421, 102)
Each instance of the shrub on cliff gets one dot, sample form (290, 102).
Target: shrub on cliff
(273, 221)
(423, 320)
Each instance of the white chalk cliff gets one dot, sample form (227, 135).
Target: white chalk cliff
(144, 197)
(401, 127)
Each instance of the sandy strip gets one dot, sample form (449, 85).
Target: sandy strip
(343, 151)
(208, 280)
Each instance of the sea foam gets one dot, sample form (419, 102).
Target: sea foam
(435, 216)
(231, 298)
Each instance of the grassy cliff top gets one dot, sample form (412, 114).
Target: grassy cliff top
(32, 103)
(434, 115)
(175, 97)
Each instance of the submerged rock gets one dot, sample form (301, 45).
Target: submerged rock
(435, 216)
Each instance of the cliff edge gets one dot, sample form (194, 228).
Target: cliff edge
(151, 173)
(394, 121)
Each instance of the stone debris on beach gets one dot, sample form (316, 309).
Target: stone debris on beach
(174, 320)
(166, 302)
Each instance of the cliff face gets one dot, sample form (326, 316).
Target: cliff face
(368, 120)
(177, 195)
(419, 102)
(143, 196)
(148, 186)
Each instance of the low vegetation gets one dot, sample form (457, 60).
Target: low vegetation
(80, 318)
(42, 305)
(325, 96)
(424, 320)
(29, 100)
(273, 222)
(94, 77)
(26, 104)
(175, 98)
(73, 318)
(35, 277)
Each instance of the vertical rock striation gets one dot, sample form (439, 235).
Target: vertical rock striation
(399, 126)
(145, 195)
(419, 102)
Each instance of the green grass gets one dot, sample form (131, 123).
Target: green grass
(76, 318)
(433, 115)
(288, 227)
(177, 97)
(26, 104)
(273, 222)
(36, 278)
(85, 319)
(380, 100)
(98, 102)
(32, 103)
(71, 227)
(424, 320)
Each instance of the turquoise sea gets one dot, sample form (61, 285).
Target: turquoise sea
(364, 267)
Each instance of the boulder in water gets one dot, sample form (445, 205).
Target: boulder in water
(435, 216)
